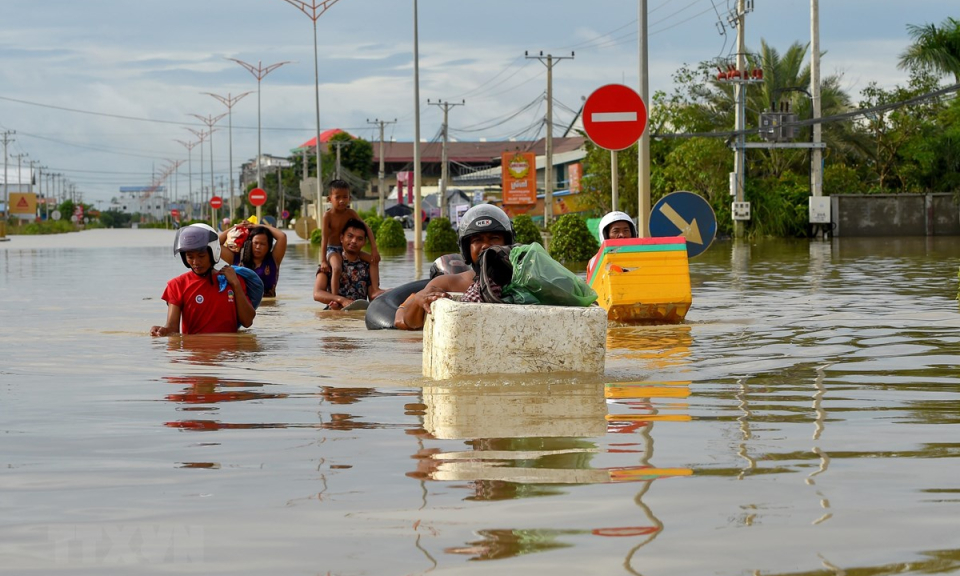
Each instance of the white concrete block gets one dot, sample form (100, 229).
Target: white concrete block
(463, 338)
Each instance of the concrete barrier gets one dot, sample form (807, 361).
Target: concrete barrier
(468, 338)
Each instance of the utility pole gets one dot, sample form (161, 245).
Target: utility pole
(381, 175)
(417, 227)
(548, 61)
(229, 100)
(339, 144)
(6, 183)
(643, 147)
(444, 155)
(20, 158)
(740, 89)
(816, 157)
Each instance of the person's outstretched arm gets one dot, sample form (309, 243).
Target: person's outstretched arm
(324, 236)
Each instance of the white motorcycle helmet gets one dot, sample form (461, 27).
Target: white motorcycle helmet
(609, 219)
(198, 237)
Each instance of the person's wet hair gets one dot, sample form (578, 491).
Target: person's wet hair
(338, 185)
(246, 252)
(354, 223)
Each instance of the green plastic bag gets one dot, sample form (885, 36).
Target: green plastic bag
(539, 279)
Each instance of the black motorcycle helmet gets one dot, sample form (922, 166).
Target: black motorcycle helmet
(482, 218)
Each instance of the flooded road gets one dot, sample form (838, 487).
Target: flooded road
(805, 419)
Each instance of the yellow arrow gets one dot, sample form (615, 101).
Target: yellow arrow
(689, 231)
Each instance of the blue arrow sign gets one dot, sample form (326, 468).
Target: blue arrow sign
(685, 214)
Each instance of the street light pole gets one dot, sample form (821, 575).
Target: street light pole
(210, 120)
(228, 101)
(314, 10)
(189, 146)
(201, 135)
(416, 133)
(259, 72)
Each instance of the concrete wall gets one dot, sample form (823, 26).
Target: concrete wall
(895, 215)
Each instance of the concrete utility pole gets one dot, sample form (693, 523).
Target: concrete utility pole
(381, 175)
(228, 101)
(740, 89)
(445, 155)
(816, 158)
(548, 61)
(20, 158)
(339, 144)
(643, 147)
(6, 183)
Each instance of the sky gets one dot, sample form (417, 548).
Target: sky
(100, 91)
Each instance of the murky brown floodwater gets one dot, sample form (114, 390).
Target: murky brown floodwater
(805, 420)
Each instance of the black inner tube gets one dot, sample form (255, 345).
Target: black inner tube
(383, 310)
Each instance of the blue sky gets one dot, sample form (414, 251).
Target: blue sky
(66, 65)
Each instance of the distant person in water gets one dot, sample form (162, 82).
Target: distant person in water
(197, 301)
(481, 227)
(614, 226)
(262, 250)
(354, 282)
(331, 226)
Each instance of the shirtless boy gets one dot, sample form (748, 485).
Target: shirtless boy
(331, 252)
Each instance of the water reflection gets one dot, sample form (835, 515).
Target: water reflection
(213, 349)
(535, 440)
(660, 347)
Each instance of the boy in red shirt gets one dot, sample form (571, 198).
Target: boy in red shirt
(199, 302)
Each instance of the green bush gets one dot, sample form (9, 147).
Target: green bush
(572, 240)
(316, 237)
(441, 237)
(373, 221)
(46, 227)
(390, 235)
(525, 231)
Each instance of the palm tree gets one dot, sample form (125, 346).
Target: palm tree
(935, 49)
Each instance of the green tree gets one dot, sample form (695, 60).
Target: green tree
(356, 156)
(934, 49)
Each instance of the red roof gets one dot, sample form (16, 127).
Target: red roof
(325, 137)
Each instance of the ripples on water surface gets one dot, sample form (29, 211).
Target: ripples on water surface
(804, 420)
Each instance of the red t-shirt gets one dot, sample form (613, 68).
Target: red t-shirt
(203, 308)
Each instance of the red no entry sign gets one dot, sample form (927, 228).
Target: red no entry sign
(614, 116)
(216, 202)
(257, 197)
(175, 213)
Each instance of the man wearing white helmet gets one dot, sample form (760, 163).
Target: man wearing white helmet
(616, 225)
(197, 301)
(481, 227)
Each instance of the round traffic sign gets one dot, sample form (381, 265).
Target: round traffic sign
(257, 197)
(614, 116)
(285, 214)
(685, 214)
(56, 215)
(216, 202)
(175, 213)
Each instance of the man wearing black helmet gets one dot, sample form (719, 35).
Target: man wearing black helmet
(198, 301)
(481, 227)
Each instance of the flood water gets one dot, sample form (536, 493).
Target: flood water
(805, 419)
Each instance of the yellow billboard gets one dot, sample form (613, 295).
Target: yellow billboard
(23, 203)
(519, 177)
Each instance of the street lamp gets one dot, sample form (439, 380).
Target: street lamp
(259, 72)
(229, 101)
(189, 146)
(201, 136)
(210, 120)
(315, 10)
(416, 134)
